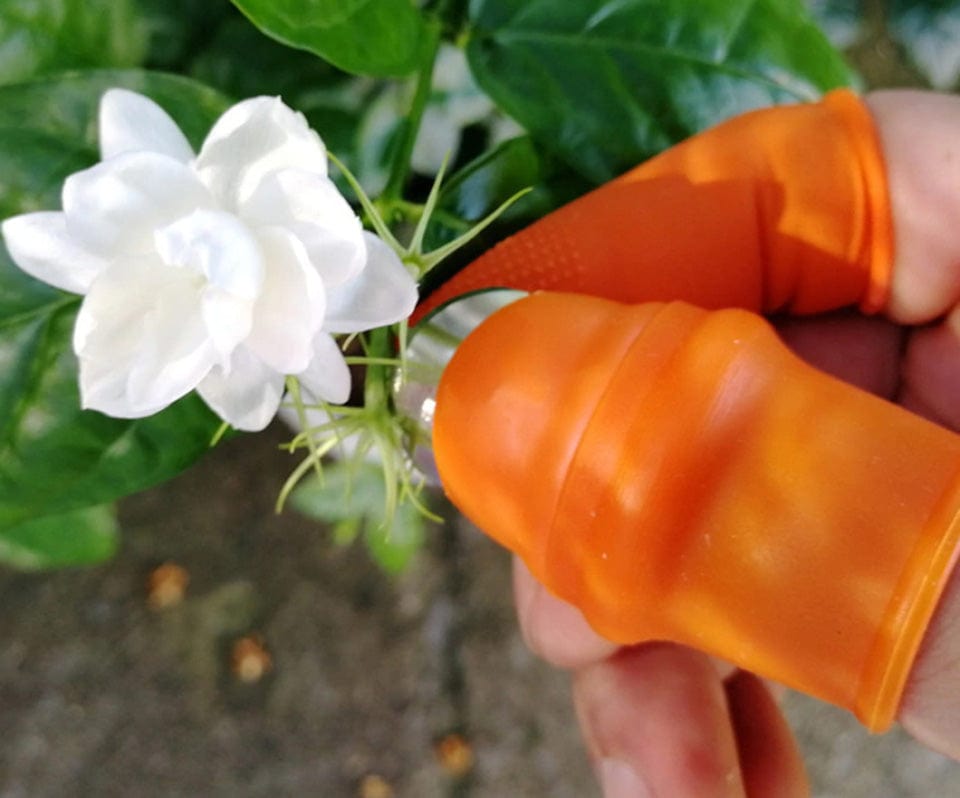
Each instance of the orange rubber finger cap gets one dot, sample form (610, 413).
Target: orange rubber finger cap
(679, 475)
(784, 208)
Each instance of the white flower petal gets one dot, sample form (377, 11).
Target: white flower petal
(252, 139)
(130, 122)
(328, 376)
(217, 246)
(104, 388)
(383, 293)
(226, 266)
(114, 207)
(111, 317)
(40, 245)
(312, 207)
(177, 354)
(290, 309)
(247, 396)
(227, 321)
(141, 339)
(109, 390)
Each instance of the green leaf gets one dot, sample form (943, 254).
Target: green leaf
(32, 166)
(383, 38)
(608, 83)
(64, 108)
(378, 136)
(55, 457)
(344, 492)
(483, 185)
(475, 191)
(242, 62)
(82, 537)
(843, 21)
(929, 30)
(393, 547)
(351, 498)
(488, 181)
(48, 127)
(42, 36)
(180, 29)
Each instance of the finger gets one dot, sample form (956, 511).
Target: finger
(778, 228)
(769, 759)
(552, 628)
(919, 136)
(930, 710)
(931, 372)
(864, 351)
(655, 721)
(557, 632)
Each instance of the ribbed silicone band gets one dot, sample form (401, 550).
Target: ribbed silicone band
(908, 617)
(877, 235)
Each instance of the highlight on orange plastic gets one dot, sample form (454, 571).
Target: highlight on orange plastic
(678, 474)
(784, 208)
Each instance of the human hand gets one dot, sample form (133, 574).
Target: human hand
(660, 719)
(683, 723)
(670, 720)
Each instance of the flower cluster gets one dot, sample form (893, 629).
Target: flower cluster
(225, 271)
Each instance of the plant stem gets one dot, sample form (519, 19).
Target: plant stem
(400, 167)
(375, 388)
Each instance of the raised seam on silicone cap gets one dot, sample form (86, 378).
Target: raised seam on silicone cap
(857, 118)
(880, 697)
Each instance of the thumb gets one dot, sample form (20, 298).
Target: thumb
(920, 136)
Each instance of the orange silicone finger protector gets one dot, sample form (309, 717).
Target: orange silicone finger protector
(784, 208)
(678, 474)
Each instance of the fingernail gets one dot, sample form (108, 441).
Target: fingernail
(619, 780)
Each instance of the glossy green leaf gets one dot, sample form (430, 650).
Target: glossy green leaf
(378, 135)
(351, 498)
(82, 537)
(32, 166)
(179, 30)
(42, 36)
(488, 181)
(48, 127)
(242, 62)
(64, 108)
(54, 457)
(366, 37)
(608, 83)
(483, 185)
(929, 31)
(479, 188)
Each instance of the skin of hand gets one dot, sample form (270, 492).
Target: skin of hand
(662, 720)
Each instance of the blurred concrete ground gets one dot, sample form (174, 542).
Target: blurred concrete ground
(100, 695)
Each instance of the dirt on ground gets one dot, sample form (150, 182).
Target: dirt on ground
(369, 685)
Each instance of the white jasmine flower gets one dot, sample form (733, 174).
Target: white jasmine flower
(221, 272)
